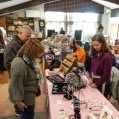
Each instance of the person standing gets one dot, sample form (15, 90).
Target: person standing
(2, 45)
(12, 48)
(62, 31)
(15, 44)
(100, 29)
(26, 78)
(79, 54)
(2, 42)
(101, 64)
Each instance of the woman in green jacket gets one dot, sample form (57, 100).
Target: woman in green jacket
(26, 77)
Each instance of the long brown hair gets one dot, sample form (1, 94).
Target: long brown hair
(104, 46)
(32, 48)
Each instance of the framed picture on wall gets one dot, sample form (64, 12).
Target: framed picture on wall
(42, 23)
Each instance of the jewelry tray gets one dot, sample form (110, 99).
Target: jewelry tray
(55, 79)
(58, 88)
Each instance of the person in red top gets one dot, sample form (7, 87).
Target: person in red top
(80, 54)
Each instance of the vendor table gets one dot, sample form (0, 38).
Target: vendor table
(91, 96)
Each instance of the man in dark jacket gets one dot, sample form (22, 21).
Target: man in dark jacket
(12, 48)
(62, 31)
(15, 44)
(2, 43)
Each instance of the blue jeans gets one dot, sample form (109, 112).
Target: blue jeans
(28, 113)
(17, 110)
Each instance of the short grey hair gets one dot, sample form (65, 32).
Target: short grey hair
(25, 28)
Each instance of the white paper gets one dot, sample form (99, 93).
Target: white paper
(106, 113)
(59, 102)
(91, 116)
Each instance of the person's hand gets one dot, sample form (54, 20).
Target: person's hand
(21, 105)
(94, 76)
(90, 81)
(93, 85)
(73, 54)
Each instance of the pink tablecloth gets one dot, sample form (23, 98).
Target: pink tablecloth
(91, 96)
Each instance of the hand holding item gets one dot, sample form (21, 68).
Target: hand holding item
(95, 77)
(93, 85)
(90, 81)
(21, 105)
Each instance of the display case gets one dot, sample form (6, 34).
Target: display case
(13, 24)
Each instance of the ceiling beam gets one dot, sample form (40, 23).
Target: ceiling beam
(23, 6)
(1, 1)
(113, 1)
(33, 3)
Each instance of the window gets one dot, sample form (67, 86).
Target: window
(54, 20)
(55, 16)
(87, 22)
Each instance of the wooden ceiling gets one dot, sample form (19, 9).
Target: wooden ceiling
(4, 1)
(33, 3)
(113, 1)
(23, 5)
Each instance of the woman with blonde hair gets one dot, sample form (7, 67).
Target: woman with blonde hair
(25, 77)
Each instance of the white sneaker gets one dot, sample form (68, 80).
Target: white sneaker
(18, 115)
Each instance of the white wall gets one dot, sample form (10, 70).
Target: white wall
(39, 8)
(114, 20)
(20, 13)
(114, 28)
